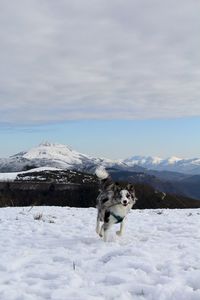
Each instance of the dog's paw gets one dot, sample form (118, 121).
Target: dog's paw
(119, 233)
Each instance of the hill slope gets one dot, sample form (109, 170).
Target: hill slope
(178, 184)
(73, 188)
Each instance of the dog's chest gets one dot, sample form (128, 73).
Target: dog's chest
(118, 212)
(119, 209)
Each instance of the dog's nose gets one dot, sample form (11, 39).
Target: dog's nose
(125, 201)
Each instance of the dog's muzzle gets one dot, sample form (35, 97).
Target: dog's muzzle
(125, 202)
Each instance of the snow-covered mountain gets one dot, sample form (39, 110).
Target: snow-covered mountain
(54, 155)
(173, 164)
(62, 156)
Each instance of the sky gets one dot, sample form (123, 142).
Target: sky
(109, 78)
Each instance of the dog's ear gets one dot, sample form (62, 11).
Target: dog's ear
(129, 186)
(131, 189)
(116, 187)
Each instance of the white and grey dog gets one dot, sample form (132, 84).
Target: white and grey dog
(113, 203)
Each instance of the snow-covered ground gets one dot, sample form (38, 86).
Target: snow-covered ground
(53, 253)
(11, 176)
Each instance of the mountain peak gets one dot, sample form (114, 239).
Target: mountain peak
(55, 151)
(47, 144)
(173, 159)
(50, 144)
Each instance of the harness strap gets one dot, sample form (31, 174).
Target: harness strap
(118, 218)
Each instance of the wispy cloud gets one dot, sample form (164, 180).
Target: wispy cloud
(125, 59)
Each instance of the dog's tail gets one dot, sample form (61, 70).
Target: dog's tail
(105, 179)
(101, 173)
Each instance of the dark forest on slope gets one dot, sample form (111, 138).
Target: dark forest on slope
(77, 189)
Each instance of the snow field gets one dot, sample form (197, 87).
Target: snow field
(53, 253)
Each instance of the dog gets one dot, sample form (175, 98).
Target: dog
(113, 203)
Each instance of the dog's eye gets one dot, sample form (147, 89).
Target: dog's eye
(128, 195)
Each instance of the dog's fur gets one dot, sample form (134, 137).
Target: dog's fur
(113, 203)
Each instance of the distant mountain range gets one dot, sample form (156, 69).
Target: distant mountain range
(58, 156)
(173, 164)
(172, 175)
(62, 156)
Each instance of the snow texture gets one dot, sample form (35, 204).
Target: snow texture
(54, 253)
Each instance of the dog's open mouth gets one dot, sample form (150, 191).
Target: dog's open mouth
(125, 204)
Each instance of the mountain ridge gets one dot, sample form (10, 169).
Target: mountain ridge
(63, 156)
(54, 155)
(173, 163)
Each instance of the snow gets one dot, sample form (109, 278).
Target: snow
(54, 151)
(156, 160)
(144, 161)
(196, 161)
(12, 175)
(8, 176)
(54, 253)
(173, 163)
(173, 160)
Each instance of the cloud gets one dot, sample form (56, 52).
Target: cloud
(130, 59)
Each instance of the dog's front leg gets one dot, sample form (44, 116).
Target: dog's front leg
(105, 226)
(121, 230)
(101, 233)
(98, 224)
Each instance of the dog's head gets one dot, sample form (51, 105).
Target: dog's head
(114, 192)
(125, 195)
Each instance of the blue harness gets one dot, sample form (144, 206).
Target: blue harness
(119, 219)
